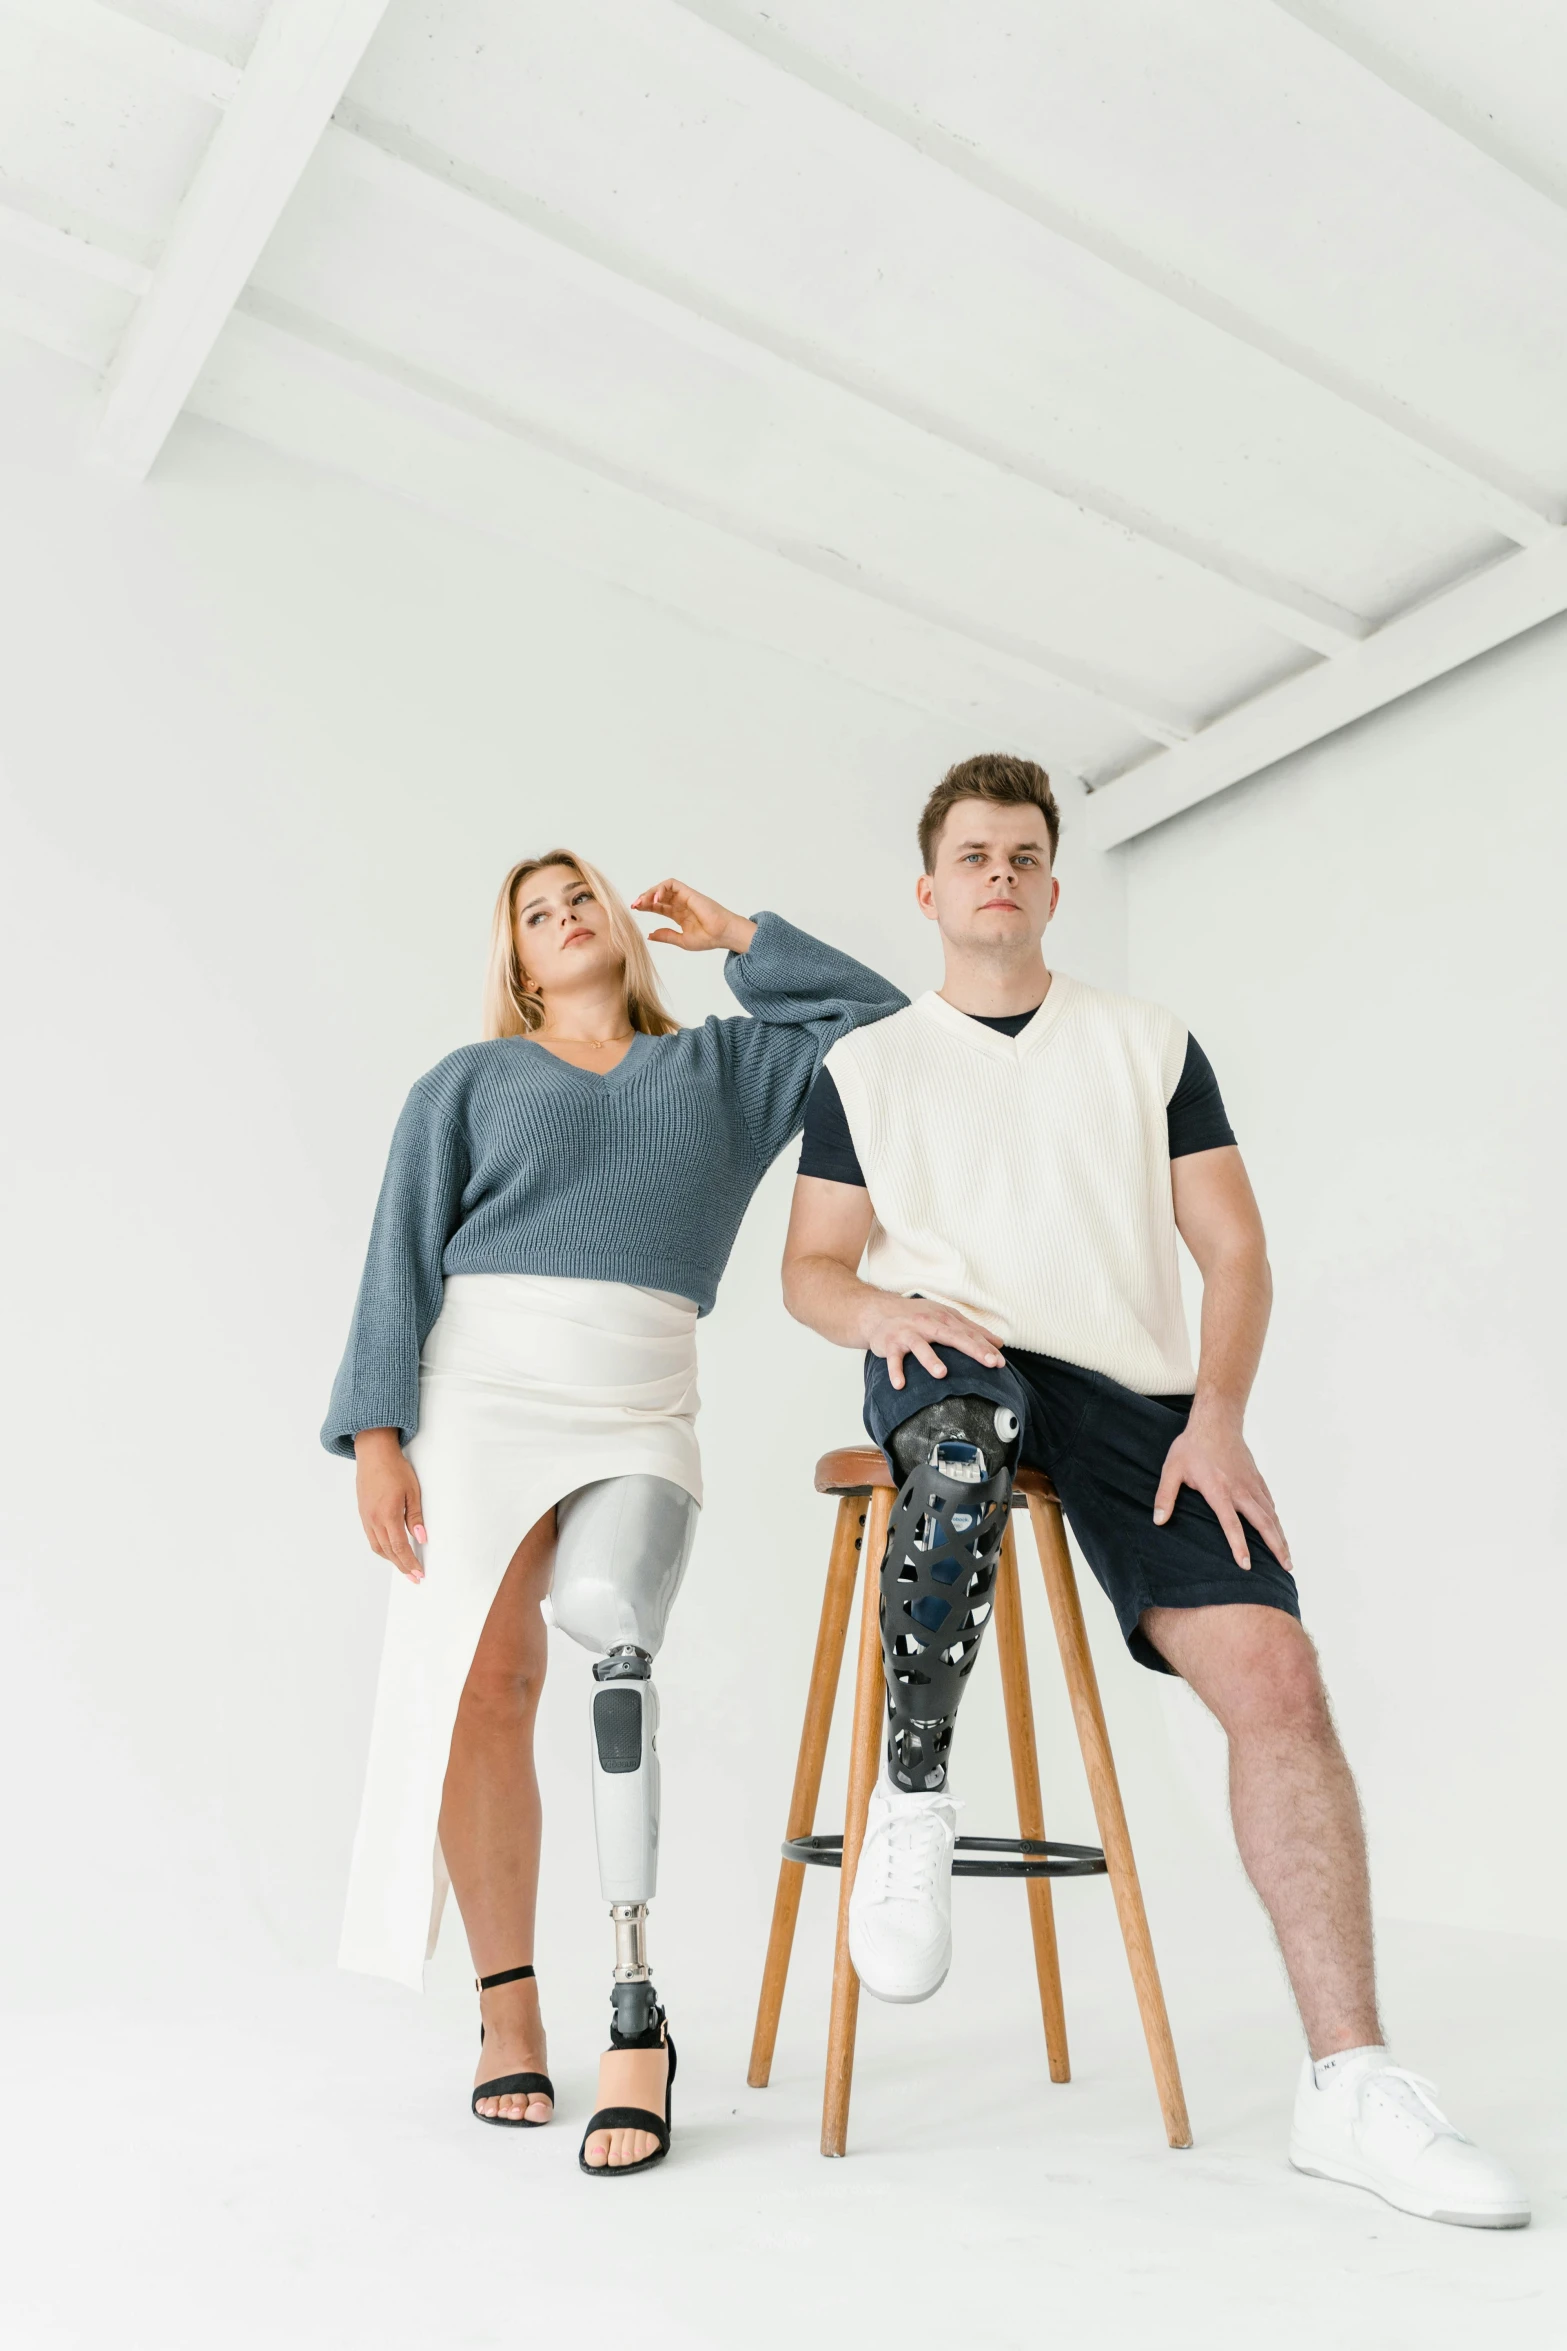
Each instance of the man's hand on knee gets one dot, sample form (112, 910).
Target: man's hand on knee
(1212, 1457)
(915, 1326)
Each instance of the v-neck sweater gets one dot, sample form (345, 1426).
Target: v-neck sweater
(507, 1159)
(1026, 1180)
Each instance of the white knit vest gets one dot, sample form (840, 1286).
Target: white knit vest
(1026, 1180)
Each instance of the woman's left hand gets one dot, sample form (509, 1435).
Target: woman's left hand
(702, 922)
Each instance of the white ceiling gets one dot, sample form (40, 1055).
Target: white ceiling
(1168, 383)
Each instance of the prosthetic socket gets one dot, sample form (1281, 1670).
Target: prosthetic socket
(621, 1551)
(956, 1459)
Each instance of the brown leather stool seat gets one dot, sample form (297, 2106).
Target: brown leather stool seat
(859, 1469)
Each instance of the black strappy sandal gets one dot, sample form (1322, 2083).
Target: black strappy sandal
(511, 2085)
(633, 2118)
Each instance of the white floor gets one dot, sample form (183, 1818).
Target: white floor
(290, 2162)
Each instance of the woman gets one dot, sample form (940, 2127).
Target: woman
(519, 1392)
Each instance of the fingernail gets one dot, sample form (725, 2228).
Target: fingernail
(1159, 1517)
(420, 1536)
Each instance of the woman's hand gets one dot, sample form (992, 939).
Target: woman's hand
(390, 1509)
(702, 922)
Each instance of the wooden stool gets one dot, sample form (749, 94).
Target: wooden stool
(858, 1476)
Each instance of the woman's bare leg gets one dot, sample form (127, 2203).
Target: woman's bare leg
(490, 1818)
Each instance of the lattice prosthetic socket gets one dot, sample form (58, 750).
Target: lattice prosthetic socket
(620, 1553)
(956, 1459)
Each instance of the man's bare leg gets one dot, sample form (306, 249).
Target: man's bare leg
(1293, 1804)
(491, 1823)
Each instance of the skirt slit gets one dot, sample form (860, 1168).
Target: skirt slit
(530, 1387)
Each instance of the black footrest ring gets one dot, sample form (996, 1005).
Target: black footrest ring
(1016, 1857)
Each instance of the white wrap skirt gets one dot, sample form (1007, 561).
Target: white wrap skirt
(529, 1387)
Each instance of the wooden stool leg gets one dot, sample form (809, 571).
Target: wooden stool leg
(1077, 1662)
(822, 1697)
(1012, 1650)
(870, 1707)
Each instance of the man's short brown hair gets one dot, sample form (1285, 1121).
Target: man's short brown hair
(996, 776)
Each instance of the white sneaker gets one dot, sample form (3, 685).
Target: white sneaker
(900, 1912)
(1378, 2127)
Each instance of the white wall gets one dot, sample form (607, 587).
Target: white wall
(1369, 942)
(269, 741)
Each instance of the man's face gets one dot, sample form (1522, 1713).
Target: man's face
(992, 887)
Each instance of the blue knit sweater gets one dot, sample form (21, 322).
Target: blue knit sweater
(508, 1160)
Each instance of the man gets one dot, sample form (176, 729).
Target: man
(1012, 1158)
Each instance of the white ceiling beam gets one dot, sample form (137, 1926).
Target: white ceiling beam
(1520, 510)
(1485, 610)
(1425, 96)
(30, 223)
(1517, 508)
(344, 421)
(71, 338)
(304, 55)
(477, 202)
(130, 41)
(458, 406)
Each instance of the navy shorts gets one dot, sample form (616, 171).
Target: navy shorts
(1103, 1448)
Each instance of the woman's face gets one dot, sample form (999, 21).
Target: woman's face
(563, 932)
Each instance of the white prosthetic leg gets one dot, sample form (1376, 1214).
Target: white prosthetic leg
(625, 1821)
(621, 1551)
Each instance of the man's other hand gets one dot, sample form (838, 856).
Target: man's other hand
(1212, 1457)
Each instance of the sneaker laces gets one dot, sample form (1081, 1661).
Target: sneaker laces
(909, 1847)
(1412, 2096)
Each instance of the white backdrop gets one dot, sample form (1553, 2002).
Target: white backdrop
(1370, 945)
(269, 742)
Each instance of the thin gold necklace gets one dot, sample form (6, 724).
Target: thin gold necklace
(594, 1044)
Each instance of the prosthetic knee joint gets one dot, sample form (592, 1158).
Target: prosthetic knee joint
(956, 1459)
(621, 1551)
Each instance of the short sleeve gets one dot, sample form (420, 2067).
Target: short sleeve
(827, 1149)
(1195, 1113)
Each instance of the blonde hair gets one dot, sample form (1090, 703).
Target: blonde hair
(513, 1007)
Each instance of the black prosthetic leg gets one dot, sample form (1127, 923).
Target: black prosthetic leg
(956, 1459)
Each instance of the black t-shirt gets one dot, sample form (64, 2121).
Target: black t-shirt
(1194, 1114)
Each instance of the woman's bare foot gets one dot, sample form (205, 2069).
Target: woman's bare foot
(513, 2043)
(628, 2077)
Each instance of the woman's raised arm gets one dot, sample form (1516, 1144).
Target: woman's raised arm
(700, 923)
(802, 996)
